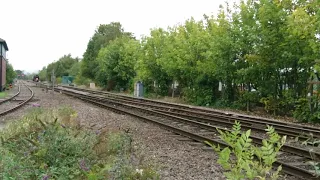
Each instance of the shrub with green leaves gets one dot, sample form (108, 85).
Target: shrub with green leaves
(198, 96)
(246, 100)
(47, 144)
(39, 146)
(303, 113)
(271, 104)
(243, 160)
(80, 80)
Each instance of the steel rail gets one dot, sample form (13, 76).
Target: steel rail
(289, 169)
(20, 105)
(226, 120)
(6, 100)
(203, 124)
(254, 120)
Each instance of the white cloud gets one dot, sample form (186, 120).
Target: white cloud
(38, 32)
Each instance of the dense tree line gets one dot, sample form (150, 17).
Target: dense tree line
(65, 66)
(256, 53)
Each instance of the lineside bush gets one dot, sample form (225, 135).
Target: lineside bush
(51, 144)
(243, 160)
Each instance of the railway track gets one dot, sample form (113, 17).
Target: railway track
(20, 104)
(225, 119)
(10, 98)
(195, 129)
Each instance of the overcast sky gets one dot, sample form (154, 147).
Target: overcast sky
(38, 32)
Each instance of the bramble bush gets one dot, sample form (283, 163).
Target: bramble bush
(50, 144)
(243, 160)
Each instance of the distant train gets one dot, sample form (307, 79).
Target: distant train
(36, 78)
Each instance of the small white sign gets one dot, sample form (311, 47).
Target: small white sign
(92, 85)
(220, 86)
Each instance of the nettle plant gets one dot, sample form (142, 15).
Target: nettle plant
(243, 160)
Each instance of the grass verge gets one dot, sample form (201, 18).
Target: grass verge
(3, 95)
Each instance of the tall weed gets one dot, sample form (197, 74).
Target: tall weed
(243, 160)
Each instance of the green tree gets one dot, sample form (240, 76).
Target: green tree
(116, 63)
(43, 74)
(246, 38)
(148, 67)
(222, 53)
(10, 74)
(19, 73)
(75, 69)
(261, 52)
(102, 37)
(62, 66)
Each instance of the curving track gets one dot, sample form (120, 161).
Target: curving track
(10, 98)
(200, 125)
(11, 109)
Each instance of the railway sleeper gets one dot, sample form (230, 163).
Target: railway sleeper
(287, 167)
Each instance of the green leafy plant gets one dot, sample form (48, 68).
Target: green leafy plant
(48, 144)
(310, 140)
(80, 80)
(58, 80)
(271, 104)
(246, 100)
(303, 113)
(316, 166)
(315, 163)
(241, 159)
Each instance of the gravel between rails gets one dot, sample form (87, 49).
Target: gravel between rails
(174, 160)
